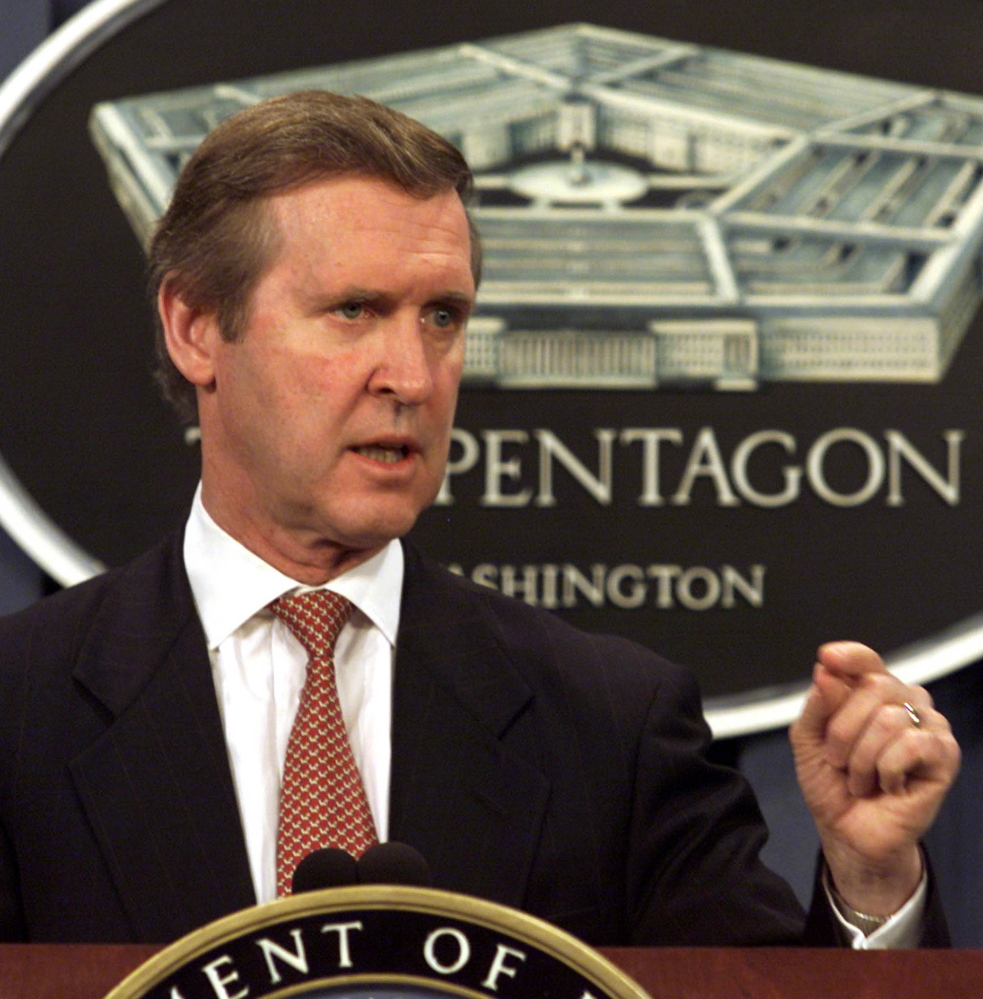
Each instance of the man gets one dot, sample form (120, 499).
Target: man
(314, 275)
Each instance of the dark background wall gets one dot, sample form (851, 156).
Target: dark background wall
(955, 842)
(24, 24)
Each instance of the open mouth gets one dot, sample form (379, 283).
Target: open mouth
(387, 455)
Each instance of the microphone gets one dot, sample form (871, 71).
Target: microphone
(382, 864)
(326, 868)
(394, 864)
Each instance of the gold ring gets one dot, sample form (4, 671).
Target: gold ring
(916, 718)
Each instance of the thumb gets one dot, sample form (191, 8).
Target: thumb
(825, 695)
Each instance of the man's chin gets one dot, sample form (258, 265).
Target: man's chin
(376, 534)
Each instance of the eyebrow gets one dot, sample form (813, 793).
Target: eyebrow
(457, 298)
(321, 299)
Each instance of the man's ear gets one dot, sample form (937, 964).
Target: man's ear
(191, 335)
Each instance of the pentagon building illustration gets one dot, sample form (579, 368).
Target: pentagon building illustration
(657, 213)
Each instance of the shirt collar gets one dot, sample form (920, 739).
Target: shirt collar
(230, 583)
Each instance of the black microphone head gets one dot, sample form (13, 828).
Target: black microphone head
(327, 868)
(394, 864)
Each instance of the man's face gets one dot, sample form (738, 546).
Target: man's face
(326, 426)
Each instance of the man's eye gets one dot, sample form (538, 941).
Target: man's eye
(352, 310)
(444, 317)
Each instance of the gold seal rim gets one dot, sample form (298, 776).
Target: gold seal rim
(386, 978)
(519, 926)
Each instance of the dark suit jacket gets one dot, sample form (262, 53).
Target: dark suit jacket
(534, 765)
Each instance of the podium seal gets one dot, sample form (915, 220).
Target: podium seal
(378, 942)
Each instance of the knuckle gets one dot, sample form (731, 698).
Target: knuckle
(838, 730)
(881, 685)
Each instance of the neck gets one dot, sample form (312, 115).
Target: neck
(302, 555)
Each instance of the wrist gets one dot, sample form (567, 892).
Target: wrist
(863, 921)
(867, 893)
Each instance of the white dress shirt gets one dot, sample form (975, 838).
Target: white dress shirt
(259, 669)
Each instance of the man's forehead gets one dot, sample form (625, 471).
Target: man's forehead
(338, 190)
(339, 238)
(373, 210)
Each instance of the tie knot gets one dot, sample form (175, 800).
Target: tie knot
(315, 618)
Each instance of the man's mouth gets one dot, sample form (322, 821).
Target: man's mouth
(387, 455)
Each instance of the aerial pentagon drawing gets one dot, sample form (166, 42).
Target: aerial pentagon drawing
(657, 213)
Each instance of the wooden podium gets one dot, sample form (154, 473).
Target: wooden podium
(77, 971)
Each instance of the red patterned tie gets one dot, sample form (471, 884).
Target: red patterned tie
(322, 799)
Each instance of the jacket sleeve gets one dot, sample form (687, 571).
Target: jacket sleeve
(694, 875)
(12, 695)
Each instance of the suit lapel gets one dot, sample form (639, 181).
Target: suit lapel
(158, 791)
(157, 787)
(465, 789)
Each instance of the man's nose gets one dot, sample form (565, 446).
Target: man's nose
(404, 368)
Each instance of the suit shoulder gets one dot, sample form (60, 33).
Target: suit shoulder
(537, 636)
(54, 625)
